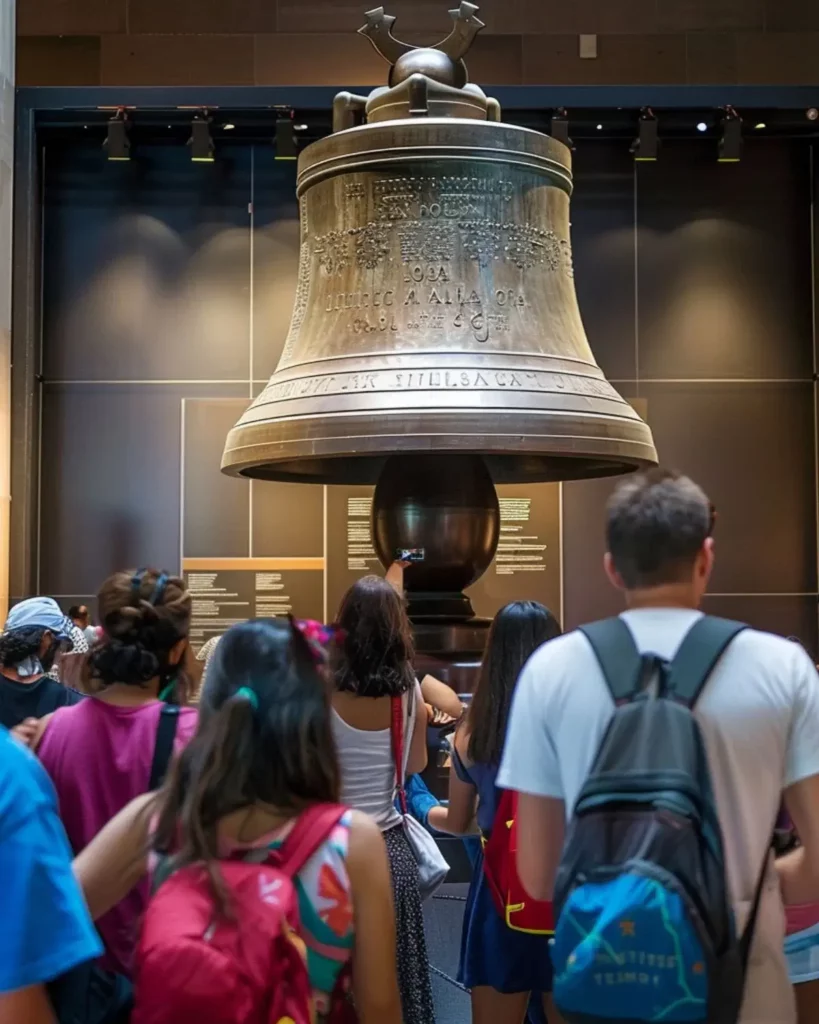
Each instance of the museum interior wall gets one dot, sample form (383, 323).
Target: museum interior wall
(167, 291)
(313, 42)
(7, 12)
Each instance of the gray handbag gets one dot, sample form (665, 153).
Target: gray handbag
(432, 866)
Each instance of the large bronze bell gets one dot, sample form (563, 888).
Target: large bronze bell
(435, 309)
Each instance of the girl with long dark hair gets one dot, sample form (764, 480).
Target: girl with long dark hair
(373, 667)
(502, 967)
(264, 753)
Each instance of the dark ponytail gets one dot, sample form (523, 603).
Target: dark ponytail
(264, 736)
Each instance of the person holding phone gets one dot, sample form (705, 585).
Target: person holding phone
(373, 666)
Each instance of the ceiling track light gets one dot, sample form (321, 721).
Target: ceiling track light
(560, 127)
(201, 140)
(285, 137)
(730, 143)
(645, 147)
(117, 143)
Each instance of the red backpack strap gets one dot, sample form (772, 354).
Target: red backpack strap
(507, 807)
(313, 827)
(397, 732)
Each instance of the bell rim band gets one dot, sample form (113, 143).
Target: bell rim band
(287, 450)
(359, 149)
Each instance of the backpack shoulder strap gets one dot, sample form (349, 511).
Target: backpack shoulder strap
(701, 649)
(617, 654)
(163, 746)
(312, 828)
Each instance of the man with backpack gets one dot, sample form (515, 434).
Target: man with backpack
(651, 753)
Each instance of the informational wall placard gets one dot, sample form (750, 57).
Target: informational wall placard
(361, 556)
(527, 564)
(228, 591)
(518, 551)
(220, 599)
(350, 551)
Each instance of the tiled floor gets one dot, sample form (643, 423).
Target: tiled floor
(443, 915)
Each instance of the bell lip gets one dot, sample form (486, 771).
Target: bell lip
(520, 456)
(505, 468)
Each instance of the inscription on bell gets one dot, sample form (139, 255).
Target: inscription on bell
(372, 245)
(425, 380)
(427, 243)
(358, 300)
(300, 302)
(436, 219)
(333, 251)
(425, 196)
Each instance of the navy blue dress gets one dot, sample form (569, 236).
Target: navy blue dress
(493, 954)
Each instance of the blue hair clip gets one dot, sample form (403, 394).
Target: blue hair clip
(159, 589)
(136, 585)
(249, 695)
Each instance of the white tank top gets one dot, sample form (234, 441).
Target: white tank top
(368, 780)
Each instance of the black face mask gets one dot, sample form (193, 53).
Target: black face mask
(47, 659)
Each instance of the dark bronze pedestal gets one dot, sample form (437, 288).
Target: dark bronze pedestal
(446, 506)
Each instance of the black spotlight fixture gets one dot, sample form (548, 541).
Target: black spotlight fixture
(646, 146)
(285, 139)
(560, 127)
(201, 141)
(730, 143)
(117, 143)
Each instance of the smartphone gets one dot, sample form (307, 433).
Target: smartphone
(409, 554)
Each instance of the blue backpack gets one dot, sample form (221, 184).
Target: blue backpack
(644, 929)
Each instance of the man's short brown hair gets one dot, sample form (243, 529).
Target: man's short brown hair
(656, 524)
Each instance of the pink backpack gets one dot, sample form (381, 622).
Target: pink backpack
(194, 966)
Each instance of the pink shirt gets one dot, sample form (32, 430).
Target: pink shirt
(802, 917)
(99, 757)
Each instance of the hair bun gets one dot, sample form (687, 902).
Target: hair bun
(117, 660)
(144, 613)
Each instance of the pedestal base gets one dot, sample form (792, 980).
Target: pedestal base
(451, 650)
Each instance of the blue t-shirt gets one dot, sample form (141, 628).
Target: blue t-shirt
(46, 929)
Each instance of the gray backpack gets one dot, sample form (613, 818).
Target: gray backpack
(644, 928)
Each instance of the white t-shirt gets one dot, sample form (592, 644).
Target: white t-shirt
(759, 716)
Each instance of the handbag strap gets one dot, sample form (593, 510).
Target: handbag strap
(163, 745)
(397, 734)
